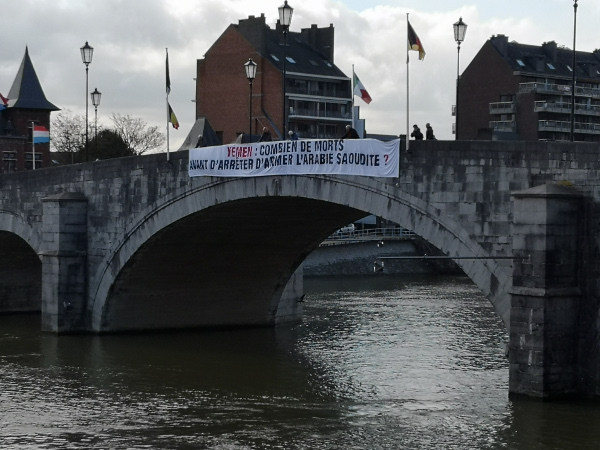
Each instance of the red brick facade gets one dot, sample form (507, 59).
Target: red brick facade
(318, 94)
(16, 149)
(513, 91)
(223, 92)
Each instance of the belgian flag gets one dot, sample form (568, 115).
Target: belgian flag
(172, 118)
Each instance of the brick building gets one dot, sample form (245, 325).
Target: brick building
(513, 91)
(26, 106)
(318, 94)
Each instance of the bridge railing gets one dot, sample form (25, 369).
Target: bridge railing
(369, 234)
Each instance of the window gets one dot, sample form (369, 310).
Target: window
(521, 63)
(9, 161)
(29, 160)
(550, 66)
(290, 59)
(274, 57)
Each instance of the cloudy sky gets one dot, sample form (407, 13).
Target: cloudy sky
(130, 36)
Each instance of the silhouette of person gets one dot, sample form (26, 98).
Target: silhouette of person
(429, 133)
(265, 136)
(417, 133)
(350, 133)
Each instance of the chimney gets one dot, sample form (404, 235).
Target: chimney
(253, 29)
(549, 49)
(501, 43)
(321, 39)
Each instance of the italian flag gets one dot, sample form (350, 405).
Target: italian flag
(360, 90)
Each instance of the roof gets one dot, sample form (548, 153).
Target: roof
(26, 91)
(548, 59)
(200, 128)
(301, 56)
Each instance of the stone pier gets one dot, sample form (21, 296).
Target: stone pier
(546, 293)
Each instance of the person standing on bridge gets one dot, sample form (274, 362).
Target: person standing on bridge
(350, 133)
(265, 136)
(416, 133)
(429, 133)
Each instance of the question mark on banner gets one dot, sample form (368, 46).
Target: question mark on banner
(386, 157)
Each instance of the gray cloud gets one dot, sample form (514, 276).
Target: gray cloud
(130, 37)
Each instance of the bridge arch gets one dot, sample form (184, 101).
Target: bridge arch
(218, 216)
(20, 265)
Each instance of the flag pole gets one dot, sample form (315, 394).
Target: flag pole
(407, 90)
(33, 143)
(353, 87)
(168, 85)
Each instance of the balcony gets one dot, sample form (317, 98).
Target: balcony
(565, 108)
(502, 108)
(559, 89)
(314, 113)
(325, 93)
(565, 127)
(503, 125)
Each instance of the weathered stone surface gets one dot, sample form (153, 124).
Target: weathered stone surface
(164, 250)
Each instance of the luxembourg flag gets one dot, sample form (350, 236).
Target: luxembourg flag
(360, 90)
(40, 135)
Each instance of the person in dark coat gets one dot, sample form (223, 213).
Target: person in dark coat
(293, 136)
(429, 133)
(350, 133)
(417, 133)
(265, 136)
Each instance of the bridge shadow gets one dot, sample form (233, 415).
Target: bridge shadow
(220, 266)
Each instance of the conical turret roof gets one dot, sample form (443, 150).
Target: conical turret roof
(26, 91)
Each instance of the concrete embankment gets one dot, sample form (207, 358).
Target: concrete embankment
(358, 258)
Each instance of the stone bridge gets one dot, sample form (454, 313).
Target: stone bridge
(136, 244)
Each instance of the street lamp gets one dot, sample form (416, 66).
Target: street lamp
(87, 51)
(285, 19)
(460, 29)
(250, 68)
(96, 95)
(573, 74)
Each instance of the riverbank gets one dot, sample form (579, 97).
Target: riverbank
(358, 259)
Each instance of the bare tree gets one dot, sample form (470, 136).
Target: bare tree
(68, 136)
(137, 135)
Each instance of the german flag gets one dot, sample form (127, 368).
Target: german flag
(414, 43)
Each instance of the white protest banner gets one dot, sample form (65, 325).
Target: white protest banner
(367, 157)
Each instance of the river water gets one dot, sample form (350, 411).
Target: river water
(390, 362)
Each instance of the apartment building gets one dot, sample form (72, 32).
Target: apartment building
(318, 97)
(513, 91)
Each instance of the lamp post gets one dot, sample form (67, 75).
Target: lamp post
(87, 51)
(285, 19)
(250, 68)
(460, 29)
(573, 74)
(96, 95)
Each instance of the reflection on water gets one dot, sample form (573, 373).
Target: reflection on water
(379, 362)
